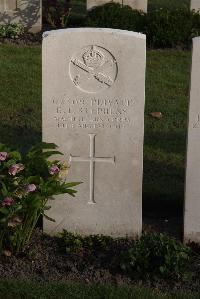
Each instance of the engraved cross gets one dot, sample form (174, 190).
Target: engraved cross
(196, 125)
(92, 160)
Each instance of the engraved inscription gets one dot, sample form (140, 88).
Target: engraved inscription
(92, 112)
(93, 69)
(196, 125)
(92, 160)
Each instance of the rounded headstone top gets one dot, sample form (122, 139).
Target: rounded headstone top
(95, 30)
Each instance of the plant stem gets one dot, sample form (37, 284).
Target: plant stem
(2, 233)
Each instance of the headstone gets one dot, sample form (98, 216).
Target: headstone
(192, 189)
(8, 5)
(134, 4)
(93, 109)
(195, 4)
(27, 12)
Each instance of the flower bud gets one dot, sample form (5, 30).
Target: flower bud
(54, 170)
(14, 169)
(8, 201)
(3, 156)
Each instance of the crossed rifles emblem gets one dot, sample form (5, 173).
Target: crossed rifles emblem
(93, 63)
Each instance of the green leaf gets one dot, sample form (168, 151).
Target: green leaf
(3, 220)
(4, 211)
(49, 218)
(71, 192)
(42, 146)
(4, 190)
(18, 207)
(162, 269)
(51, 153)
(4, 148)
(46, 208)
(10, 162)
(46, 145)
(35, 202)
(15, 155)
(34, 179)
(38, 149)
(73, 184)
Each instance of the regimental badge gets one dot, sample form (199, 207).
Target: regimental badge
(93, 69)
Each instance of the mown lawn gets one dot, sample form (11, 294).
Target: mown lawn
(20, 95)
(16, 290)
(167, 89)
(167, 86)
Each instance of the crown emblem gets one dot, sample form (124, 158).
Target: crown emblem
(93, 58)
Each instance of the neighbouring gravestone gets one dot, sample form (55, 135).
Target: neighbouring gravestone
(134, 4)
(192, 189)
(27, 12)
(8, 5)
(195, 4)
(93, 109)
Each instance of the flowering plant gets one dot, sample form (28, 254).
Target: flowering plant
(27, 182)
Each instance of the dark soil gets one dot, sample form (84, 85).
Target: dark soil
(163, 217)
(46, 260)
(28, 39)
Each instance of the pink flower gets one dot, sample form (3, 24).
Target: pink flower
(54, 169)
(14, 169)
(3, 156)
(31, 188)
(8, 201)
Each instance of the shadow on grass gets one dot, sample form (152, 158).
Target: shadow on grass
(164, 168)
(163, 182)
(19, 137)
(170, 142)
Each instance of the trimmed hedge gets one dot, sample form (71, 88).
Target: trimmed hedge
(164, 28)
(55, 13)
(112, 15)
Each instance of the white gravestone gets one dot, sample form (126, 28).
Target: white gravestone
(8, 5)
(195, 4)
(93, 109)
(27, 12)
(134, 4)
(192, 189)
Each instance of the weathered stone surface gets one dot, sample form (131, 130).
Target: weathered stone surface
(8, 5)
(27, 12)
(192, 189)
(93, 109)
(135, 4)
(195, 4)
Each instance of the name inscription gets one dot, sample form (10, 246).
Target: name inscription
(92, 113)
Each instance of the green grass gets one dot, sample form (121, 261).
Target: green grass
(20, 95)
(167, 88)
(11, 290)
(167, 85)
